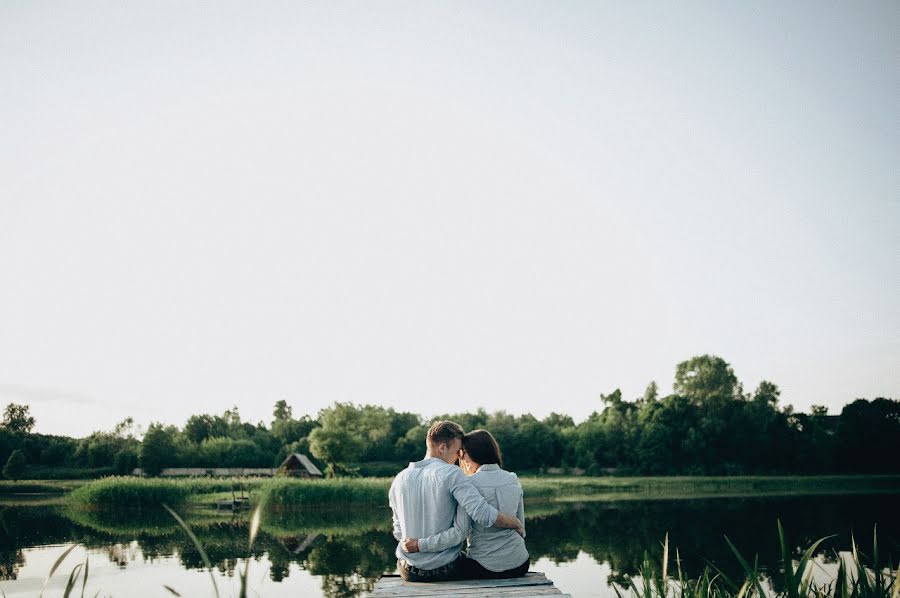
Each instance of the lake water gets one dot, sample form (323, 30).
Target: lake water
(584, 547)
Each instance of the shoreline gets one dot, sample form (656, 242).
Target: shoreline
(284, 494)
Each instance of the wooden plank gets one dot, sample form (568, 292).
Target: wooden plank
(529, 575)
(480, 590)
(463, 585)
(520, 592)
(498, 594)
(436, 592)
(532, 585)
(405, 589)
(487, 583)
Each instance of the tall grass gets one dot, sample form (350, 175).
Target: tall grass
(131, 492)
(864, 579)
(285, 494)
(128, 492)
(290, 493)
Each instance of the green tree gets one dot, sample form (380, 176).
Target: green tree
(159, 448)
(15, 466)
(291, 430)
(411, 446)
(868, 436)
(126, 460)
(126, 428)
(200, 427)
(100, 448)
(282, 410)
(767, 393)
(341, 437)
(227, 452)
(706, 380)
(17, 419)
(651, 393)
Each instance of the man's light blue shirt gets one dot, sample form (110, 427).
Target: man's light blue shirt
(424, 498)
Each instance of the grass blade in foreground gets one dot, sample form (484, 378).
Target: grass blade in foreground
(87, 563)
(254, 529)
(73, 578)
(197, 545)
(55, 566)
(752, 574)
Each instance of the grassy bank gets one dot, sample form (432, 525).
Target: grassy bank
(284, 494)
(618, 488)
(287, 494)
(39, 486)
(138, 493)
(144, 493)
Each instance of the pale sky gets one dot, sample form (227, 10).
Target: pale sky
(439, 206)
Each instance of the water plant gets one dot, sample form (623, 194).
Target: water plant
(864, 579)
(285, 494)
(116, 492)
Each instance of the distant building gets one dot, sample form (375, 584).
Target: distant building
(299, 466)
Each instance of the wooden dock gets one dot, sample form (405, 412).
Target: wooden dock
(533, 584)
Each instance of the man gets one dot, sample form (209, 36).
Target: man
(423, 499)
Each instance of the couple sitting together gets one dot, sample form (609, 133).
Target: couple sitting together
(438, 510)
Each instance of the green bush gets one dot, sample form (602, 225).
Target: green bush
(15, 466)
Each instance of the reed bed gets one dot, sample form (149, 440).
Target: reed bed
(864, 577)
(127, 492)
(284, 494)
(291, 493)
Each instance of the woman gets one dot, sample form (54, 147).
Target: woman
(492, 552)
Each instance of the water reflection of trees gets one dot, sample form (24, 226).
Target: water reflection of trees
(350, 551)
(25, 527)
(620, 533)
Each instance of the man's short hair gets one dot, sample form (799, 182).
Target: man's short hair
(444, 431)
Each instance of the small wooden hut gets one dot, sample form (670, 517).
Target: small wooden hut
(299, 466)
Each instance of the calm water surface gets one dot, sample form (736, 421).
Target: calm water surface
(583, 547)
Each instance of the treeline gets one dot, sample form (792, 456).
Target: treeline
(204, 441)
(708, 425)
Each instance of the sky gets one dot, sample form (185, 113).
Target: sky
(440, 206)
